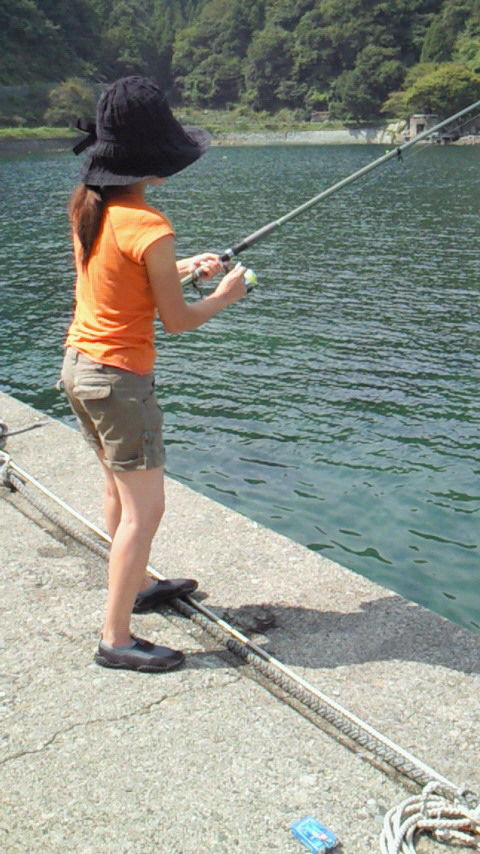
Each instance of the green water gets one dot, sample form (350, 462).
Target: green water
(339, 404)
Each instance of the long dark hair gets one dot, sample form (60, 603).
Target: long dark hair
(86, 209)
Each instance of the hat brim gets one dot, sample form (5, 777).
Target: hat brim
(107, 165)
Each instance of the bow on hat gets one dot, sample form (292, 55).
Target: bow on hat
(89, 127)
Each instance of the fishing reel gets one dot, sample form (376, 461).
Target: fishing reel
(250, 277)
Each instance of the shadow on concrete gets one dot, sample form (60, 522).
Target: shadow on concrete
(384, 629)
(216, 658)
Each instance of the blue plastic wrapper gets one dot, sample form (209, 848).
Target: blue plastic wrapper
(315, 836)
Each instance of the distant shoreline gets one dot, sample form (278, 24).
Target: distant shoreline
(363, 136)
(31, 145)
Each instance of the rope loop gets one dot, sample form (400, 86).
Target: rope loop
(5, 467)
(443, 814)
(3, 433)
(447, 812)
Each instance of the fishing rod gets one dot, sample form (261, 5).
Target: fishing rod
(227, 256)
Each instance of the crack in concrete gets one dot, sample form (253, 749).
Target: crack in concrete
(144, 710)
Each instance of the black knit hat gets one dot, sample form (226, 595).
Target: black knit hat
(136, 136)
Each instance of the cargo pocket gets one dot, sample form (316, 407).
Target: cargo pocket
(92, 391)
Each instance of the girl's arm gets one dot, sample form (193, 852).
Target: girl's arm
(176, 314)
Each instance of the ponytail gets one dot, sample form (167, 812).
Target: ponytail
(86, 209)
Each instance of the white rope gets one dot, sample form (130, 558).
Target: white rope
(356, 728)
(442, 810)
(5, 433)
(446, 820)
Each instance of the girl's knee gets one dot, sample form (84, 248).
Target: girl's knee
(145, 522)
(142, 498)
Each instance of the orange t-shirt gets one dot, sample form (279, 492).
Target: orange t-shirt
(115, 310)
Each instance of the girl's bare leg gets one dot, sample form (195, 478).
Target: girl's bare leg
(112, 508)
(141, 497)
(112, 511)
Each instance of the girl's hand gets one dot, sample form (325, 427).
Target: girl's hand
(207, 265)
(232, 287)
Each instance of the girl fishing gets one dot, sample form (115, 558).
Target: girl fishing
(127, 272)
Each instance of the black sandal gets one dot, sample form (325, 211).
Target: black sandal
(161, 592)
(139, 655)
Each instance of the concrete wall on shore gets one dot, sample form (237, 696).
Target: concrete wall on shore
(313, 137)
(308, 137)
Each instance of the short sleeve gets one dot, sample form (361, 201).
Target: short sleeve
(136, 228)
(151, 227)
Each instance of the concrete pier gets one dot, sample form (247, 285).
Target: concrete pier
(206, 759)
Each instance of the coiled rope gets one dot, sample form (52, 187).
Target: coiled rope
(451, 803)
(446, 820)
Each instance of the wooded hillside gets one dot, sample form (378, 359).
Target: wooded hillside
(344, 56)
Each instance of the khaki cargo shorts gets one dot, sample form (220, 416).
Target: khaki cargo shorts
(117, 412)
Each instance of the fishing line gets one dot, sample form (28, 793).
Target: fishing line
(397, 167)
(397, 152)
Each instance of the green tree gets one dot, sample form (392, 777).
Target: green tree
(441, 35)
(216, 42)
(129, 43)
(78, 24)
(269, 53)
(446, 90)
(31, 46)
(395, 105)
(70, 100)
(360, 93)
(467, 44)
(137, 36)
(269, 63)
(420, 69)
(166, 19)
(287, 13)
(315, 58)
(215, 82)
(354, 24)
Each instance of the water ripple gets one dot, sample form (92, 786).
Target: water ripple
(339, 404)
